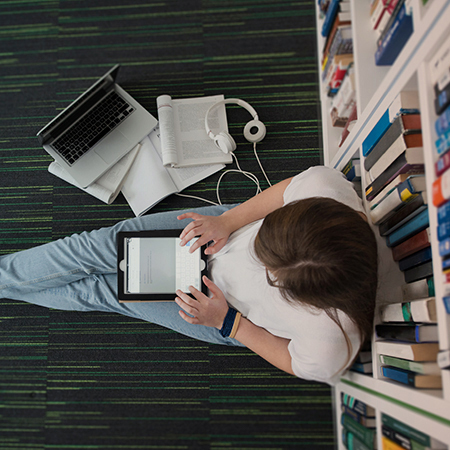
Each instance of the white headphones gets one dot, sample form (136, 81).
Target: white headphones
(224, 140)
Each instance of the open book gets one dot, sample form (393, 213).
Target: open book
(184, 141)
(108, 186)
(148, 181)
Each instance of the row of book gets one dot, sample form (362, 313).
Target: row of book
(409, 347)
(393, 24)
(358, 422)
(440, 79)
(396, 191)
(338, 77)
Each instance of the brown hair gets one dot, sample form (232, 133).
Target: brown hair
(323, 254)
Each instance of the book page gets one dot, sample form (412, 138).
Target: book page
(187, 119)
(195, 146)
(167, 126)
(185, 176)
(148, 181)
(108, 186)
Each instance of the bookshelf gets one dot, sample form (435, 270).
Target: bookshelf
(376, 87)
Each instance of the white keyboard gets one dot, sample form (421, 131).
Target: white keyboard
(187, 268)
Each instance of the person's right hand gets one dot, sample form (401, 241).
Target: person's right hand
(208, 228)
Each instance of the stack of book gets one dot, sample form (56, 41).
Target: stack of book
(338, 78)
(363, 362)
(393, 24)
(359, 424)
(409, 348)
(397, 435)
(396, 186)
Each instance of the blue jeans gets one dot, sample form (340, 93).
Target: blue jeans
(79, 273)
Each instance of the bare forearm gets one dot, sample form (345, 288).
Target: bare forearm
(257, 207)
(272, 348)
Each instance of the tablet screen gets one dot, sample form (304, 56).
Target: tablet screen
(160, 265)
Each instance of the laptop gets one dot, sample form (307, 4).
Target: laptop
(151, 266)
(96, 130)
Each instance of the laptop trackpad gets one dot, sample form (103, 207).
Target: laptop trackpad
(113, 147)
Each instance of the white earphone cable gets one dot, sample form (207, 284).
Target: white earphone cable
(249, 175)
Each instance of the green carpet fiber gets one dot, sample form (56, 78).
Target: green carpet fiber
(71, 380)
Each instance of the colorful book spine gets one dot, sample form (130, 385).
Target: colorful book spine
(413, 226)
(395, 39)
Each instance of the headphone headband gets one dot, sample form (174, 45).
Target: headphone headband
(227, 101)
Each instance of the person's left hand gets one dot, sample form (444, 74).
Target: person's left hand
(209, 311)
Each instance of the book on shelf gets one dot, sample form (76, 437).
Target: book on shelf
(366, 435)
(442, 101)
(442, 164)
(410, 433)
(339, 26)
(421, 367)
(411, 227)
(149, 181)
(410, 161)
(443, 359)
(404, 132)
(352, 170)
(334, 71)
(404, 102)
(442, 143)
(351, 442)
(412, 245)
(418, 290)
(412, 379)
(401, 194)
(440, 67)
(184, 141)
(387, 17)
(442, 123)
(366, 421)
(405, 350)
(403, 214)
(417, 310)
(419, 272)
(351, 122)
(330, 16)
(441, 189)
(344, 102)
(420, 257)
(357, 405)
(362, 367)
(408, 332)
(387, 444)
(392, 42)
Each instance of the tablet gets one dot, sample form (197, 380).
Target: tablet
(151, 266)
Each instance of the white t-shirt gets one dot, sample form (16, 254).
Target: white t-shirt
(317, 345)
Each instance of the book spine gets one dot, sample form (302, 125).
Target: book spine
(442, 143)
(413, 226)
(420, 257)
(395, 39)
(442, 124)
(365, 435)
(442, 164)
(419, 272)
(406, 430)
(415, 243)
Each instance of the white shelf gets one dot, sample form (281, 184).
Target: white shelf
(426, 410)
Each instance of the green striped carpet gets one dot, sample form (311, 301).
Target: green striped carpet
(73, 380)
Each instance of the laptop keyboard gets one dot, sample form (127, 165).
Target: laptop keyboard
(94, 126)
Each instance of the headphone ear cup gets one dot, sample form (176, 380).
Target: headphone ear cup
(254, 131)
(225, 142)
